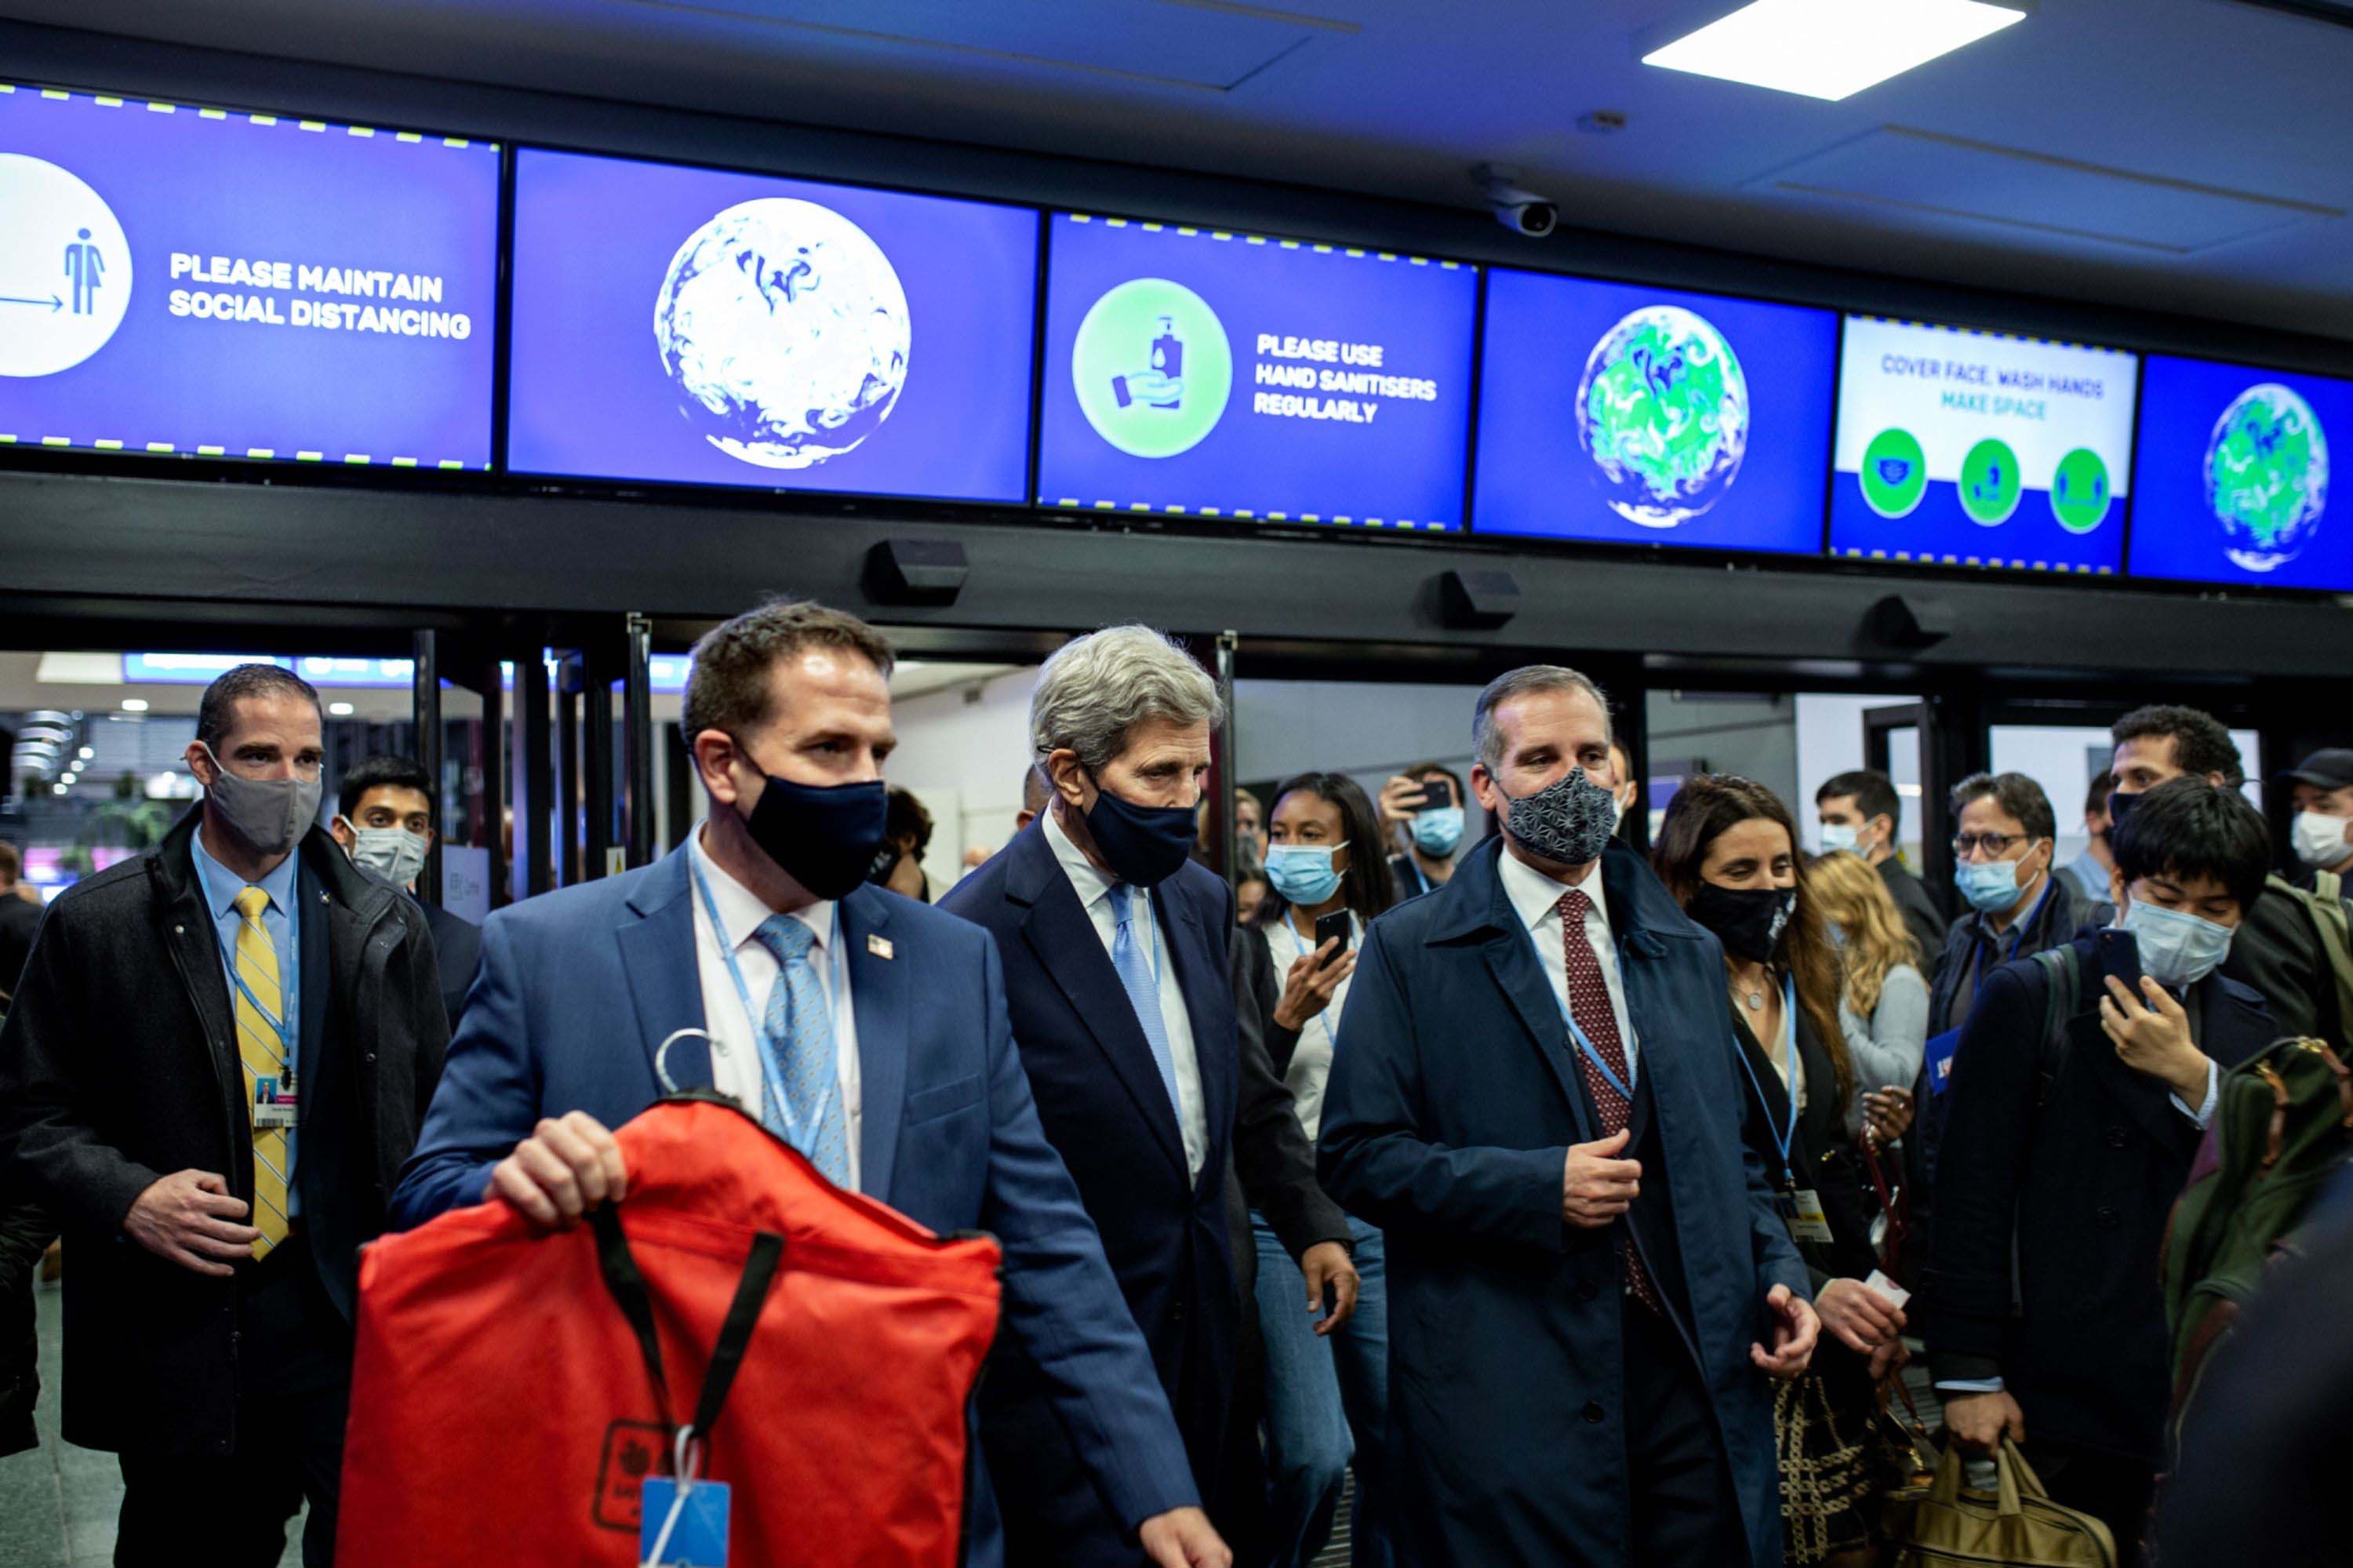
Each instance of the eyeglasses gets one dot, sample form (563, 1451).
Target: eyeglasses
(1994, 844)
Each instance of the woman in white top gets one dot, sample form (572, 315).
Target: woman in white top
(1883, 1003)
(1326, 1392)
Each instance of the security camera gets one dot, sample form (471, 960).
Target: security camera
(1521, 212)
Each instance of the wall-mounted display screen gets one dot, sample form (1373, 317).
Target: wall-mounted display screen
(1218, 374)
(1980, 449)
(195, 280)
(703, 327)
(2231, 481)
(1649, 416)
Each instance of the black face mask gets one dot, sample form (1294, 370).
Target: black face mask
(1748, 921)
(1145, 845)
(2120, 805)
(825, 838)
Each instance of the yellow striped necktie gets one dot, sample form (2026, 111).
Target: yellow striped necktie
(264, 1055)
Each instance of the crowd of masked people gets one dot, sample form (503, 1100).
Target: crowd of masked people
(1583, 1205)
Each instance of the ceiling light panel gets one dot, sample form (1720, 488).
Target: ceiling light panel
(1831, 49)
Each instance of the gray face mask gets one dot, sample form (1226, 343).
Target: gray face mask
(269, 814)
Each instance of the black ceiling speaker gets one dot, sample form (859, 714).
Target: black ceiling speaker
(916, 571)
(1477, 601)
(1909, 620)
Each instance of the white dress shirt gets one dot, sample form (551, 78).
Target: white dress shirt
(1095, 890)
(738, 1069)
(1536, 898)
(1311, 1059)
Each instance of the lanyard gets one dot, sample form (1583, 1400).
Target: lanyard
(771, 1061)
(1625, 1090)
(1789, 1027)
(2016, 937)
(1299, 948)
(277, 1026)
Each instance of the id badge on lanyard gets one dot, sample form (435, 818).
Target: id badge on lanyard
(1801, 1207)
(276, 1106)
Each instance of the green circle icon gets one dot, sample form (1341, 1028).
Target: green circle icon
(1895, 472)
(1152, 367)
(2079, 490)
(1989, 483)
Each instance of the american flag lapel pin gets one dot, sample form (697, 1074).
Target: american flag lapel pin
(879, 946)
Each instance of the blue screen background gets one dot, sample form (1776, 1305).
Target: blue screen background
(1535, 477)
(1408, 465)
(228, 186)
(593, 239)
(2175, 534)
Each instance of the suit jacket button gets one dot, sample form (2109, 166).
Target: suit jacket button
(1587, 1290)
(2116, 1138)
(1593, 1412)
(2106, 1219)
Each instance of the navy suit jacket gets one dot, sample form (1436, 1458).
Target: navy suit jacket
(579, 987)
(1104, 1106)
(1454, 1097)
(2052, 1199)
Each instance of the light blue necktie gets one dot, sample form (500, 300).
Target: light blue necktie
(800, 1046)
(1129, 956)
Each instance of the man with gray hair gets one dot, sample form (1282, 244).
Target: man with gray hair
(1535, 1098)
(1117, 976)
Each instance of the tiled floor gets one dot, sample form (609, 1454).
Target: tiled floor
(57, 1503)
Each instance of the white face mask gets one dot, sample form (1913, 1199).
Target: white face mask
(394, 853)
(2320, 841)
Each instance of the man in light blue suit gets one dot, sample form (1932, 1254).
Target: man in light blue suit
(866, 1029)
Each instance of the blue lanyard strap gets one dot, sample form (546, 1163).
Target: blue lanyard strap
(1624, 1090)
(770, 1058)
(1789, 1029)
(277, 1026)
(1299, 948)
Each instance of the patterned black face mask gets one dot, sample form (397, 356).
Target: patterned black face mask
(1568, 820)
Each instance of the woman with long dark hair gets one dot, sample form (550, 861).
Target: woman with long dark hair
(1728, 852)
(1325, 856)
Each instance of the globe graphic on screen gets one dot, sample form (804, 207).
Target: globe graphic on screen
(784, 331)
(1663, 412)
(2267, 476)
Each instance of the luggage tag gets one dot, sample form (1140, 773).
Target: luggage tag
(682, 1522)
(1801, 1209)
(275, 1108)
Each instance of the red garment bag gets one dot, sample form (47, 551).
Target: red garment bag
(505, 1409)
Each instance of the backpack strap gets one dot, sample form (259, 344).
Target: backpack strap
(2063, 992)
(2325, 907)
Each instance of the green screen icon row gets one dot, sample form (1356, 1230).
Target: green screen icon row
(1895, 477)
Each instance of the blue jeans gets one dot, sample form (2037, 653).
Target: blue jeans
(1317, 1391)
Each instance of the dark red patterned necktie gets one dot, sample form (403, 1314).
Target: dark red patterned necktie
(1588, 1003)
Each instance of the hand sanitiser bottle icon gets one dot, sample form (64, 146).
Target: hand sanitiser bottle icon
(1162, 386)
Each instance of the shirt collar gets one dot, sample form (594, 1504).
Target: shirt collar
(742, 911)
(1092, 883)
(221, 885)
(1534, 895)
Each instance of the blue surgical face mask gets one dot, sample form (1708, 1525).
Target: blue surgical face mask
(1990, 885)
(1303, 873)
(2177, 948)
(1437, 831)
(1837, 836)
